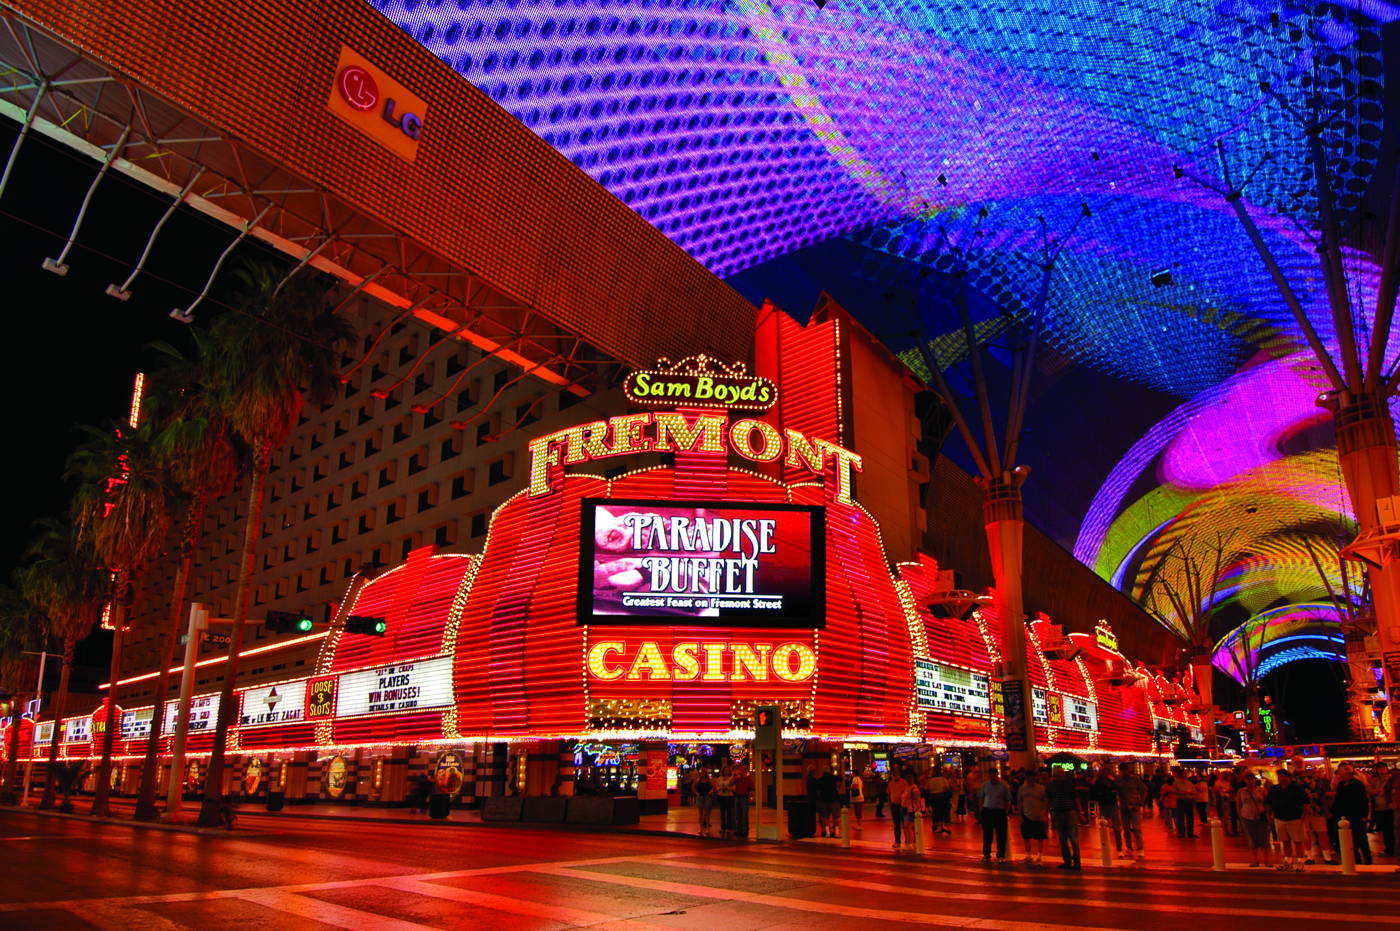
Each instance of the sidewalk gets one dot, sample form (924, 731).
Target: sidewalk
(872, 836)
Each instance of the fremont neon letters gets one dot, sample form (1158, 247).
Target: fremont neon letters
(755, 440)
(702, 661)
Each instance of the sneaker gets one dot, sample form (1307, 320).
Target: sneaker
(1297, 867)
(1310, 861)
(1066, 866)
(897, 845)
(986, 858)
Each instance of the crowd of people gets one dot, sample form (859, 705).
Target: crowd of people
(1297, 806)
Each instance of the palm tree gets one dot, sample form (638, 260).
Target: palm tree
(1181, 592)
(201, 455)
(123, 509)
(69, 586)
(21, 633)
(279, 350)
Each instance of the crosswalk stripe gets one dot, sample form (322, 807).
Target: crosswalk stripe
(302, 887)
(1040, 898)
(575, 916)
(327, 912)
(803, 905)
(1312, 884)
(123, 918)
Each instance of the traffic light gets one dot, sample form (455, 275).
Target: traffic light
(373, 626)
(767, 725)
(288, 622)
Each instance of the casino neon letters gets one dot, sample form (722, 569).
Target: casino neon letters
(701, 660)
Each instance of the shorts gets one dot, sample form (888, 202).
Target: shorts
(1256, 832)
(1291, 830)
(1032, 829)
(833, 808)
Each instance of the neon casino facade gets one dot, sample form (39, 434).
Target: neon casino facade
(612, 620)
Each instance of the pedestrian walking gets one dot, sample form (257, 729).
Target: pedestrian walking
(1063, 802)
(898, 787)
(1132, 797)
(724, 801)
(1104, 794)
(1353, 802)
(994, 803)
(856, 786)
(828, 802)
(1252, 806)
(914, 805)
(1185, 792)
(1031, 801)
(1383, 814)
(940, 790)
(743, 790)
(704, 791)
(1288, 802)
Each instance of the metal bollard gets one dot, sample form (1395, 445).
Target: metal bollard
(845, 826)
(1104, 854)
(1344, 841)
(918, 832)
(1217, 844)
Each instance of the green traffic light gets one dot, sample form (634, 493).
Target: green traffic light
(304, 624)
(379, 627)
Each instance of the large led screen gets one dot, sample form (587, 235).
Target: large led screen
(701, 563)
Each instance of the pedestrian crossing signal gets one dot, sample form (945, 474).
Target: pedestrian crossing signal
(767, 725)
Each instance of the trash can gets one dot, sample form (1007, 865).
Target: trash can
(439, 804)
(801, 816)
(275, 800)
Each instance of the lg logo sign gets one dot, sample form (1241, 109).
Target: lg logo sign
(359, 89)
(373, 102)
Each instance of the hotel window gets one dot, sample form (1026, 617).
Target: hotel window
(366, 522)
(394, 511)
(402, 429)
(427, 498)
(421, 383)
(446, 535)
(388, 474)
(418, 462)
(464, 484)
(479, 523)
(450, 448)
(498, 471)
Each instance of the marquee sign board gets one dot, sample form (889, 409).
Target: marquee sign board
(400, 687)
(273, 704)
(948, 688)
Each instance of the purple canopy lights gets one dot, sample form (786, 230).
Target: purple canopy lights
(1273, 638)
(954, 134)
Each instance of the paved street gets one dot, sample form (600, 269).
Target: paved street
(293, 871)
